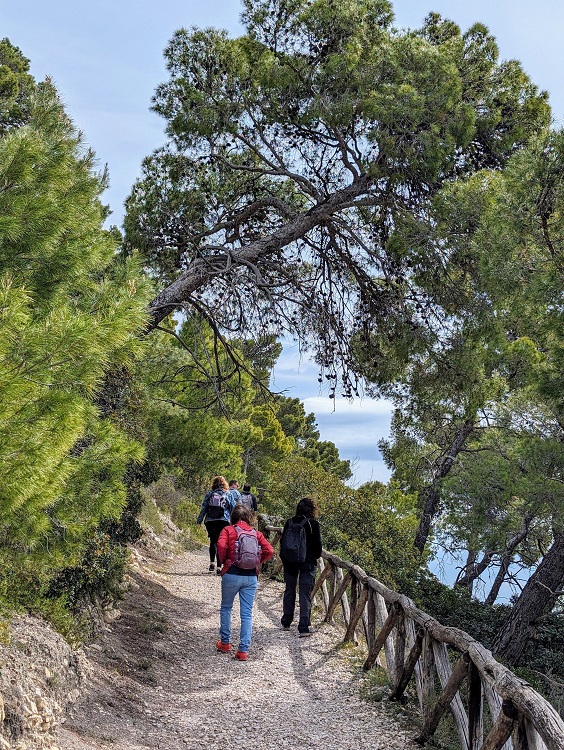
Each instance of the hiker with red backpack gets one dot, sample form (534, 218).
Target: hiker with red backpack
(300, 548)
(241, 549)
(216, 509)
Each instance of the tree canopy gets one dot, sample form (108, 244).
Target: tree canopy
(70, 311)
(294, 150)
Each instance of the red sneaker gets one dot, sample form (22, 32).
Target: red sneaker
(241, 655)
(224, 647)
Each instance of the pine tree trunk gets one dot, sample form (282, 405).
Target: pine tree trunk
(499, 579)
(537, 598)
(474, 570)
(431, 494)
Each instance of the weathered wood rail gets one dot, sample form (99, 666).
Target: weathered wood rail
(497, 711)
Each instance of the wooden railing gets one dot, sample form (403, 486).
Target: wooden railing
(438, 660)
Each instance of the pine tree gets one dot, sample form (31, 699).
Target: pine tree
(69, 312)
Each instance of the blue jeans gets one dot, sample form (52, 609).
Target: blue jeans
(246, 587)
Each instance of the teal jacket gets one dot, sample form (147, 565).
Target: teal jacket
(229, 505)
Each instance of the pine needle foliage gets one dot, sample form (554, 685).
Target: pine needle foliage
(70, 311)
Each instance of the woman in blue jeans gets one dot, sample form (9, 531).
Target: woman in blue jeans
(238, 578)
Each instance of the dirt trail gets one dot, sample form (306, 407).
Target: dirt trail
(154, 680)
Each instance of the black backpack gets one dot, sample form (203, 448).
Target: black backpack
(217, 502)
(293, 545)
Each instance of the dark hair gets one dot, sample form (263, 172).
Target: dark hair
(219, 481)
(241, 513)
(246, 488)
(233, 481)
(306, 507)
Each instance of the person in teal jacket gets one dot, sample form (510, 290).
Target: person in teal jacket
(216, 510)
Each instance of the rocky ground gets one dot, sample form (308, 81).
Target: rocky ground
(40, 677)
(154, 679)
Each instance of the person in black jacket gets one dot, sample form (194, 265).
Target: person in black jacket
(248, 499)
(302, 573)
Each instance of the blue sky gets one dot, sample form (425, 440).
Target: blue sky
(105, 57)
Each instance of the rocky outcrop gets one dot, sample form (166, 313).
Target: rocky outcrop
(40, 676)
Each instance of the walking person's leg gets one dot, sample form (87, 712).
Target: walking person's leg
(307, 580)
(247, 593)
(229, 588)
(289, 598)
(220, 525)
(213, 529)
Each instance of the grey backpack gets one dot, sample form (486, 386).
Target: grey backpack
(247, 500)
(247, 549)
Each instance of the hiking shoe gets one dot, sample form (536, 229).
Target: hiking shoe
(211, 568)
(218, 571)
(241, 655)
(305, 634)
(225, 648)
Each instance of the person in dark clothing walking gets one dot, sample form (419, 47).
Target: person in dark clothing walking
(301, 574)
(216, 509)
(248, 499)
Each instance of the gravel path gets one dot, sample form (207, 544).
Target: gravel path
(154, 680)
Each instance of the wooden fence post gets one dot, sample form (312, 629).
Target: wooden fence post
(344, 598)
(382, 614)
(502, 728)
(456, 706)
(427, 675)
(320, 583)
(520, 741)
(371, 619)
(409, 668)
(475, 708)
(357, 613)
(355, 594)
(411, 639)
(338, 594)
(382, 635)
(495, 706)
(457, 675)
(399, 646)
(331, 584)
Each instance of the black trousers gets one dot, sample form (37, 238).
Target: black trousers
(214, 530)
(302, 575)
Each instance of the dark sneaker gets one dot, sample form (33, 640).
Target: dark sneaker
(305, 634)
(218, 571)
(241, 655)
(223, 647)
(285, 627)
(211, 568)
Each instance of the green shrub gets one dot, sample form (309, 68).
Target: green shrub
(150, 516)
(184, 516)
(96, 579)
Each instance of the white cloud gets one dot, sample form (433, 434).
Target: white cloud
(355, 427)
(341, 406)
(368, 471)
